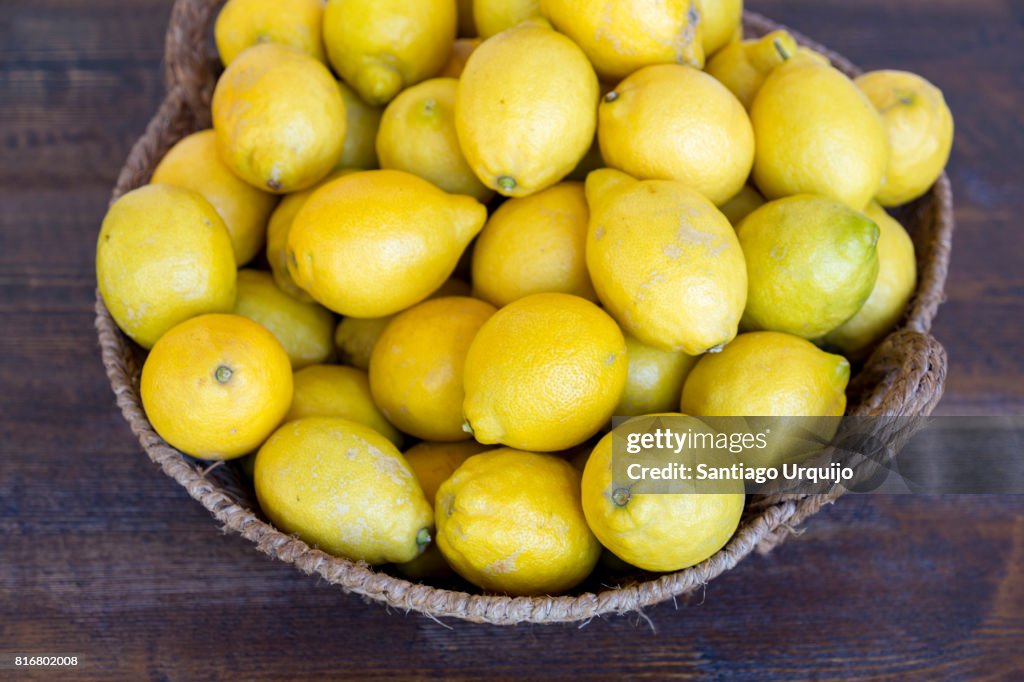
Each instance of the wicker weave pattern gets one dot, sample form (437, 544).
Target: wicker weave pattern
(904, 376)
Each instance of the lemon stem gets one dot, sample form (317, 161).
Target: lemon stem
(222, 374)
(783, 52)
(423, 537)
(507, 183)
(620, 497)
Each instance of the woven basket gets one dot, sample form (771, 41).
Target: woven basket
(904, 376)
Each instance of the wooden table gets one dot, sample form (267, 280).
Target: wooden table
(104, 557)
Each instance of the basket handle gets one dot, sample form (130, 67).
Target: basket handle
(191, 64)
(905, 376)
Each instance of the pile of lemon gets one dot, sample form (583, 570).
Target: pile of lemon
(619, 188)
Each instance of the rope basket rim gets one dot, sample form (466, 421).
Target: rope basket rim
(904, 376)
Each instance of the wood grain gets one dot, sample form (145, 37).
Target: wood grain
(105, 557)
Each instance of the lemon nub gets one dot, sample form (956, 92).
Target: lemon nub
(222, 374)
(621, 497)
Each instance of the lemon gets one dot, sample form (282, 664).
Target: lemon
(467, 24)
(417, 135)
(544, 373)
(163, 256)
(743, 204)
(344, 488)
(334, 391)
(817, 133)
(742, 67)
(304, 329)
(897, 278)
(525, 109)
(381, 47)
(279, 118)
(767, 374)
(621, 36)
(654, 381)
(278, 227)
(656, 532)
(216, 386)
(355, 337)
(510, 521)
(361, 125)
(720, 20)
(193, 163)
(534, 245)
(920, 130)
(416, 368)
(373, 243)
(811, 264)
(244, 23)
(461, 50)
(673, 122)
(491, 17)
(643, 241)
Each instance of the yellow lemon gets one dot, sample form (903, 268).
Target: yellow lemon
(304, 329)
(334, 391)
(525, 109)
(920, 129)
(764, 374)
(344, 488)
(534, 245)
(355, 337)
(621, 36)
(163, 256)
(361, 125)
(673, 122)
(544, 373)
(467, 24)
(654, 381)
(656, 532)
(742, 67)
(643, 240)
(811, 264)
(491, 17)
(373, 243)
(720, 19)
(244, 23)
(510, 521)
(216, 386)
(817, 133)
(743, 204)
(461, 50)
(278, 227)
(897, 278)
(279, 118)
(416, 370)
(381, 47)
(417, 135)
(193, 163)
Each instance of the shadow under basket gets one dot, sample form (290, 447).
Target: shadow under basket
(904, 376)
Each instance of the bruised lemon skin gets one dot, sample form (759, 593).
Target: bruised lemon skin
(416, 370)
(535, 245)
(897, 279)
(163, 256)
(621, 37)
(654, 381)
(279, 118)
(193, 163)
(381, 47)
(525, 109)
(920, 130)
(373, 243)
(544, 373)
(216, 386)
(336, 391)
(510, 521)
(344, 488)
(674, 122)
(362, 122)
(811, 262)
(643, 238)
(662, 532)
(417, 135)
(817, 133)
(304, 329)
(244, 23)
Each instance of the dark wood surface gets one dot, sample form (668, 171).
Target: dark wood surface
(104, 557)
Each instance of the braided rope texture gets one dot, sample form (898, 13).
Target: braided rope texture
(903, 377)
